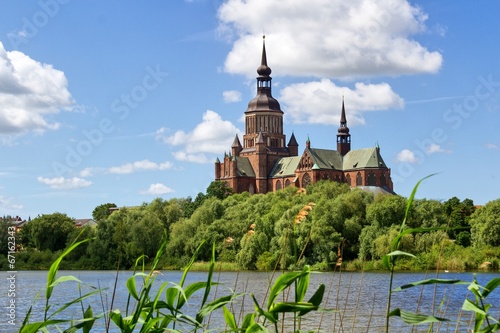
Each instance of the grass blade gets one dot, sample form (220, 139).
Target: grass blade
(415, 318)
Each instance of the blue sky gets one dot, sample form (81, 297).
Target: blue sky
(126, 101)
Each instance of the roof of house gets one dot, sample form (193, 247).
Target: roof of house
(84, 222)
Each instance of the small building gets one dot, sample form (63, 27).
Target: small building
(264, 163)
(79, 223)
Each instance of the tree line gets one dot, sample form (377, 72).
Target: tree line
(323, 225)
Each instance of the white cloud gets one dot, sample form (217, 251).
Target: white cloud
(320, 101)
(61, 183)
(29, 92)
(157, 189)
(407, 156)
(327, 38)
(6, 203)
(213, 135)
(231, 96)
(140, 165)
(87, 172)
(194, 158)
(435, 148)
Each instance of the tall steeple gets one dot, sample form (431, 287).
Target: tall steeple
(343, 136)
(264, 112)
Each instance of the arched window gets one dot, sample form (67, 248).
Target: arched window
(306, 180)
(251, 189)
(287, 182)
(278, 185)
(359, 179)
(372, 181)
(348, 179)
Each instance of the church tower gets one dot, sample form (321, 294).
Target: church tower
(343, 136)
(264, 114)
(264, 144)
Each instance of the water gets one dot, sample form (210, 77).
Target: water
(359, 299)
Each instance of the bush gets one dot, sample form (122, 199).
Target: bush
(266, 262)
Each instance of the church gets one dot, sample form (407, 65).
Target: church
(266, 163)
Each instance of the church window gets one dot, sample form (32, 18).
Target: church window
(251, 189)
(306, 180)
(359, 179)
(348, 179)
(287, 182)
(278, 185)
(372, 181)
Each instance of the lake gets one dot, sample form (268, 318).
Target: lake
(359, 299)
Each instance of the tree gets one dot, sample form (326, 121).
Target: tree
(4, 236)
(386, 210)
(485, 225)
(102, 211)
(459, 214)
(219, 189)
(50, 231)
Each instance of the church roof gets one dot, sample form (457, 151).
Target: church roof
(326, 158)
(285, 167)
(363, 158)
(244, 167)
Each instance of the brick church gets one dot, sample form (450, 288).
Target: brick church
(266, 163)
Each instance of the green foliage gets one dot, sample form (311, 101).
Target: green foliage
(219, 190)
(485, 224)
(101, 212)
(458, 214)
(256, 231)
(51, 231)
(386, 210)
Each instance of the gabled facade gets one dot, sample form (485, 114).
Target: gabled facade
(264, 163)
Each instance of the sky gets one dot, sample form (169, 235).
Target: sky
(126, 101)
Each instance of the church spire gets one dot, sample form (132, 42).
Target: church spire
(264, 71)
(343, 136)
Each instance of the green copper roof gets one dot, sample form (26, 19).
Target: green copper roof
(363, 158)
(285, 166)
(244, 167)
(326, 159)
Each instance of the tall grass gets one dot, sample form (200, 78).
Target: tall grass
(163, 308)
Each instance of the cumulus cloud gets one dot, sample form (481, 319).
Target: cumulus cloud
(213, 135)
(320, 101)
(29, 93)
(328, 38)
(407, 156)
(231, 96)
(62, 183)
(139, 166)
(157, 189)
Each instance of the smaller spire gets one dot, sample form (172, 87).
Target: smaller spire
(308, 142)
